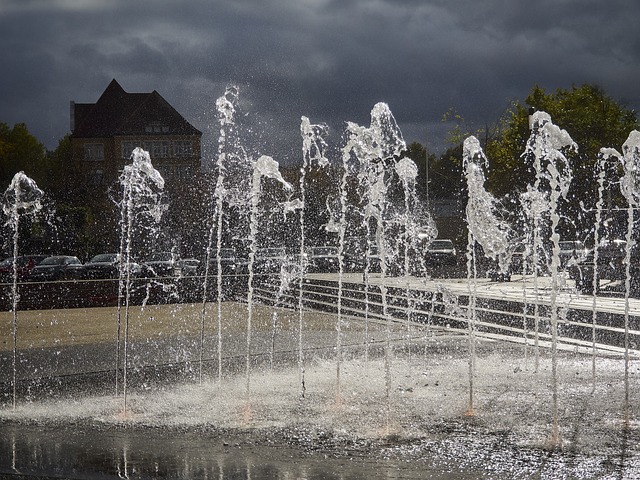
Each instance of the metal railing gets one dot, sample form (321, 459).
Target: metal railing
(509, 320)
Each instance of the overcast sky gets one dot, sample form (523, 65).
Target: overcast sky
(330, 60)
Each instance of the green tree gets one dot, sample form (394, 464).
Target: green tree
(592, 118)
(62, 179)
(444, 175)
(418, 153)
(21, 151)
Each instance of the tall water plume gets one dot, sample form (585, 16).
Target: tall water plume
(376, 149)
(21, 200)
(605, 167)
(407, 171)
(487, 227)
(264, 167)
(630, 188)
(553, 174)
(230, 156)
(140, 209)
(313, 152)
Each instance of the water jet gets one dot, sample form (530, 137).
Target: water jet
(400, 372)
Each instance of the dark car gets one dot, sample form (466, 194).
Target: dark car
(162, 264)
(24, 265)
(269, 260)
(230, 263)
(106, 265)
(440, 253)
(323, 259)
(572, 251)
(189, 267)
(360, 255)
(57, 267)
(611, 266)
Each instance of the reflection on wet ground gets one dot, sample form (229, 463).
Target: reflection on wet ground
(189, 431)
(87, 453)
(71, 426)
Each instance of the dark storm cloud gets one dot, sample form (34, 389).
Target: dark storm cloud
(329, 60)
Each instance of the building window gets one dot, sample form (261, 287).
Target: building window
(167, 171)
(127, 149)
(95, 177)
(182, 149)
(156, 127)
(93, 152)
(183, 173)
(157, 149)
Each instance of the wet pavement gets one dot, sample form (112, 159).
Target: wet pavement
(418, 413)
(89, 453)
(421, 428)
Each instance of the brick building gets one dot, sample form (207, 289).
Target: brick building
(103, 135)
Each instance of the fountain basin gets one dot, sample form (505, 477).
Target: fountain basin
(215, 427)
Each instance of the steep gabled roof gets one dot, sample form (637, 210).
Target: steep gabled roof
(120, 113)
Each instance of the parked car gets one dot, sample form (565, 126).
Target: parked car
(230, 263)
(269, 260)
(24, 265)
(441, 252)
(572, 251)
(323, 259)
(162, 264)
(189, 266)
(360, 255)
(106, 265)
(57, 267)
(611, 266)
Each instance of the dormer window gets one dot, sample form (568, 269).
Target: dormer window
(156, 127)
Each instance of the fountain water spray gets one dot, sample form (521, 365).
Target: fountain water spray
(376, 149)
(228, 151)
(313, 151)
(553, 172)
(407, 171)
(527, 205)
(604, 166)
(486, 227)
(264, 167)
(22, 199)
(425, 410)
(630, 188)
(140, 207)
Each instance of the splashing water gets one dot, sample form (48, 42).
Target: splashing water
(229, 152)
(552, 168)
(483, 214)
(313, 152)
(264, 167)
(487, 229)
(373, 171)
(374, 149)
(630, 188)
(407, 171)
(22, 199)
(140, 209)
(604, 169)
